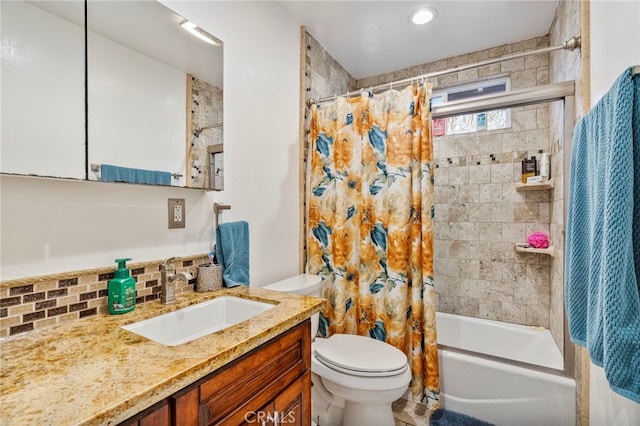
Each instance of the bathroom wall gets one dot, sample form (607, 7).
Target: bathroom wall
(51, 226)
(479, 214)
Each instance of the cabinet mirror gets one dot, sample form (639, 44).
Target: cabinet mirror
(153, 94)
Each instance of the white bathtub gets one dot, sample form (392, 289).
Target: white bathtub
(503, 373)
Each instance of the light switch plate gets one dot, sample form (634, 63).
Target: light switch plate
(177, 213)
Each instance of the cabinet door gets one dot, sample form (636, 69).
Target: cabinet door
(245, 386)
(186, 406)
(156, 415)
(159, 417)
(293, 405)
(262, 417)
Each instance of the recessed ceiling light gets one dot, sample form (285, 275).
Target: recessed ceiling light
(200, 33)
(423, 15)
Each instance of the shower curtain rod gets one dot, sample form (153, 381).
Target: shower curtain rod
(571, 44)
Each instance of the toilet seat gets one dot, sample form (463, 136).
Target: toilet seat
(382, 384)
(360, 356)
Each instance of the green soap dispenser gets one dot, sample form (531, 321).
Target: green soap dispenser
(122, 290)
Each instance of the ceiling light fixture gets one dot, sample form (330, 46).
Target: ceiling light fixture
(423, 15)
(200, 33)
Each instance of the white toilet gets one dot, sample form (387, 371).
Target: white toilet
(355, 378)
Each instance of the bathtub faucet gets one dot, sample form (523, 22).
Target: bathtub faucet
(168, 279)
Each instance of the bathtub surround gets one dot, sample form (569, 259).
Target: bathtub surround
(532, 120)
(31, 303)
(478, 213)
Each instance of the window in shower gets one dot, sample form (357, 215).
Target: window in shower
(468, 123)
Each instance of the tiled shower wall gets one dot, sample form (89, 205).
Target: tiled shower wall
(324, 76)
(479, 216)
(479, 213)
(35, 302)
(206, 109)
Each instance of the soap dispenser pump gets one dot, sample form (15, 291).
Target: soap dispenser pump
(122, 290)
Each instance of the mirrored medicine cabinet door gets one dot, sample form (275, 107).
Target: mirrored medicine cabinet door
(154, 99)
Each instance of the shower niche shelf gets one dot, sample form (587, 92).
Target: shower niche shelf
(535, 186)
(551, 251)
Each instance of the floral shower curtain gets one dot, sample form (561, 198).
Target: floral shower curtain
(370, 224)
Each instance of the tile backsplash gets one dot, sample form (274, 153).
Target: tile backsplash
(34, 302)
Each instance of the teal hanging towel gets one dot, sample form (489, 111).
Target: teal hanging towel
(602, 258)
(232, 251)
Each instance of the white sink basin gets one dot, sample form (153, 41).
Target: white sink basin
(198, 320)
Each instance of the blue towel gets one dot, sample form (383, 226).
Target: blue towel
(109, 173)
(232, 250)
(602, 260)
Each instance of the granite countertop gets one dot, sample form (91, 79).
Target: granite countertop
(92, 371)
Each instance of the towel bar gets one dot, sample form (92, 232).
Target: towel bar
(217, 207)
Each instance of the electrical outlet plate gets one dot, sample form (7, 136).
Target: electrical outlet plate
(177, 213)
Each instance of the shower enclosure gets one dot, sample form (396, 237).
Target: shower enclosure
(482, 210)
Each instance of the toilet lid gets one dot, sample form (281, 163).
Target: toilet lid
(361, 356)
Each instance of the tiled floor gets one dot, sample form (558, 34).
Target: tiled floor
(409, 413)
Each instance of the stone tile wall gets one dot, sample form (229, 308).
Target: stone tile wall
(479, 213)
(523, 71)
(479, 216)
(35, 302)
(324, 75)
(206, 109)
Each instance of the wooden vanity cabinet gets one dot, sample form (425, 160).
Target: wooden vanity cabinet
(156, 415)
(271, 385)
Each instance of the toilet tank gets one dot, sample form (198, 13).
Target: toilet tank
(304, 285)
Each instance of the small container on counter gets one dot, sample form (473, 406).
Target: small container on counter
(209, 277)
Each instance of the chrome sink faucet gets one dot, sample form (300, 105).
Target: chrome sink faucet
(168, 278)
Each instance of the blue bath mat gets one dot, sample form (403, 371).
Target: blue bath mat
(451, 418)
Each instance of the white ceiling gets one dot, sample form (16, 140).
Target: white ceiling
(369, 38)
